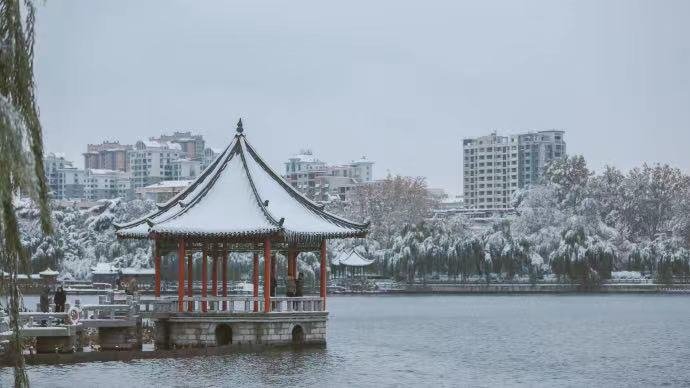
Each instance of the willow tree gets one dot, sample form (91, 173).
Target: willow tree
(21, 155)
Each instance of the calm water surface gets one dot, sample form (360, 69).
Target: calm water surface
(589, 340)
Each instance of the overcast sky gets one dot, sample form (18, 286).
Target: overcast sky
(400, 82)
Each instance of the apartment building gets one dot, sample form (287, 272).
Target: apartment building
(322, 182)
(106, 184)
(151, 162)
(53, 163)
(109, 155)
(494, 166)
(191, 145)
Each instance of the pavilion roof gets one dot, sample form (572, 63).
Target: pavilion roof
(240, 196)
(351, 259)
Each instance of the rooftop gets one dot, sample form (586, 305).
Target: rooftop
(351, 259)
(240, 196)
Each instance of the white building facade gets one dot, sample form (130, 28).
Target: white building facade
(494, 166)
(150, 162)
(106, 184)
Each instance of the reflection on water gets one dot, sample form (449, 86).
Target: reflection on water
(622, 340)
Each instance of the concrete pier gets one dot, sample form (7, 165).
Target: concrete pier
(209, 330)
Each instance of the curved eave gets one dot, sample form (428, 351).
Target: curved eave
(132, 235)
(314, 236)
(319, 209)
(245, 234)
(287, 235)
(162, 208)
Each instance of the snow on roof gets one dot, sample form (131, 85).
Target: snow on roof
(231, 209)
(306, 158)
(351, 259)
(100, 171)
(138, 271)
(161, 144)
(48, 272)
(140, 229)
(240, 195)
(361, 160)
(104, 269)
(24, 276)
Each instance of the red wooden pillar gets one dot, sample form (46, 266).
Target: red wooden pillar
(255, 281)
(295, 271)
(190, 280)
(214, 279)
(267, 275)
(322, 270)
(180, 271)
(204, 275)
(157, 268)
(225, 279)
(292, 267)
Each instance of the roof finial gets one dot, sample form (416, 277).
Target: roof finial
(239, 126)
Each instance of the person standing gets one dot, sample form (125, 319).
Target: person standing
(274, 285)
(44, 302)
(290, 287)
(60, 299)
(299, 285)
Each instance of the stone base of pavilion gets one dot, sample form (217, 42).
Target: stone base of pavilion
(293, 321)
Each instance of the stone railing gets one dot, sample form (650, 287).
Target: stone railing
(236, 304)
(44, 319)
(108, 311)
(301, 303)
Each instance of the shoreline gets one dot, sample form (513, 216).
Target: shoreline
(518, 289)
(79, 357)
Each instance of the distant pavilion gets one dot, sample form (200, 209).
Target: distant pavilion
(352, 260)
(238, 204)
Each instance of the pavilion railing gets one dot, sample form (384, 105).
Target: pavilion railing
(237, 304)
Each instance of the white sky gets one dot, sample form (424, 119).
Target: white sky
(401, 82)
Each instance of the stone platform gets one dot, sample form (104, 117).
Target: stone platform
(219, 329)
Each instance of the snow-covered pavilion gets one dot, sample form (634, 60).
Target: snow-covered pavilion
(238, 204)
(352, 260)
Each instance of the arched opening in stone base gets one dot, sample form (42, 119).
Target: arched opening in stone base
(223, 334)
(297, 335)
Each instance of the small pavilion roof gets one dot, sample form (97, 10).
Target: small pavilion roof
(352, 259)
(48, 272)
(240, 196)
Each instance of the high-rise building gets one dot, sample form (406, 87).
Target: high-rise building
(495, 166)
(53, 163)
(151, 162)
(322, 182)
(107, 156)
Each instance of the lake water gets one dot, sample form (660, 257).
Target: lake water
(521, 340)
